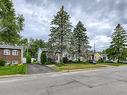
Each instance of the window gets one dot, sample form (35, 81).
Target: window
(6, 52)
(14, 62)
(7, 62)
(14, 52)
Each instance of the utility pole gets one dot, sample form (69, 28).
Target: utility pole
(94, 54)
(27, 48)
(94, 48)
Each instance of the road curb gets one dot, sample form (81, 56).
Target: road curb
(10, 76)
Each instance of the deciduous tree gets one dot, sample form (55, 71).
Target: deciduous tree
(10, 24)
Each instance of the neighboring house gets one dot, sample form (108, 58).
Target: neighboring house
(98, 55)
(95, 56)
(104, 57)
(11, 54)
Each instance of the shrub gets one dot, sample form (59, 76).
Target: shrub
(100, 60)
(2, 63)
(34, 61)
(50, 61)
(70, 61)
(65, 60)
(109, 61)
(28, 59)
(43, 57)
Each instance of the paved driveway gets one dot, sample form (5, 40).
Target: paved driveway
(37, 68)
(110, 81)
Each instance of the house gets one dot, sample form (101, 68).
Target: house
(11, 54)
(104, 57)
(95, 56)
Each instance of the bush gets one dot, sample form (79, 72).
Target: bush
(28, 59)
(34, 61)
(43, 57)
(2, 63)
(109, 61)
(70, 61)
(100, 60)
(50, 61)
(65, 60)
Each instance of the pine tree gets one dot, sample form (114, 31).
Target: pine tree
(117, 49)
(10, 24)
(81, 39)
(60, 31)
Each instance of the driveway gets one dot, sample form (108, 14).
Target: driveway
(37, 68)
(109, 81)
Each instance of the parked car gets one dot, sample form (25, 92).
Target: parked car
(92, 61)
(125, 62)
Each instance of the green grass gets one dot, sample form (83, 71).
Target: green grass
(114, 64)
(11, 70)
(76, 66)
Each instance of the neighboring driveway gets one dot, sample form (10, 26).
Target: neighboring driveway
(37, 68)
(109, 81)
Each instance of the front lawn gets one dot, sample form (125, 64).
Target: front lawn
(114, 64)
(75, 66)
(11, 70)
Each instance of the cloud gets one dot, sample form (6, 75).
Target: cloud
(99, 17)
(100, 41)
(37, 18)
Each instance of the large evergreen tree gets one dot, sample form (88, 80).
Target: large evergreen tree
(80, 39)
(10, 24)
(60, 31)
(117, 49)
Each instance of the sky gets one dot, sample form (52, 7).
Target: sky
(100, 17)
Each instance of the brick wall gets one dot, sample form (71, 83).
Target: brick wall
(10, 57)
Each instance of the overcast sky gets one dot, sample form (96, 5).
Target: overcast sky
(99, 17)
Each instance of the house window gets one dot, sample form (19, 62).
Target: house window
(6, 52)
(14, 52)
(7, 62)
(14, 62)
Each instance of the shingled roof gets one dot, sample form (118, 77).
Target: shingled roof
(11, 47)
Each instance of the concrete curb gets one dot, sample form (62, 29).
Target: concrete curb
(91, 69)
(10, 76)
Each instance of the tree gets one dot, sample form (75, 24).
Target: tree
(34, 45)
(60, 31)
(117, 49)
(23, 42)
(80, 39)
(10, 24)
(43, 57)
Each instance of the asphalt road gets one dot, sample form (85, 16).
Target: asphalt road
(109, 81)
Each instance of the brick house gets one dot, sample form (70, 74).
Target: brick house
(11, 54)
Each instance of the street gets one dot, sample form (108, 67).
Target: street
(106, 81)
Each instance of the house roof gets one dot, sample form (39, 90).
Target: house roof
(11, 47)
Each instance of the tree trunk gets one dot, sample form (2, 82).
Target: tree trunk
(79, 53)
(61, 50)
(118, 60)
(118, 56)
(62, 30)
